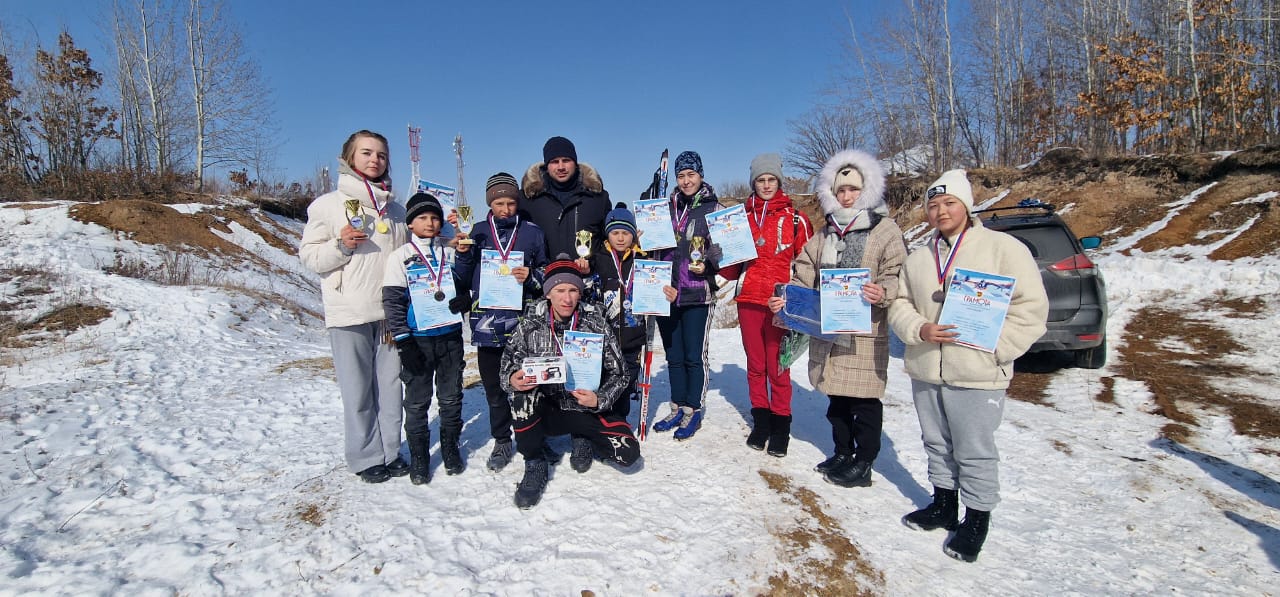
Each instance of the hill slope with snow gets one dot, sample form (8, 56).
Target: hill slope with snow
(187, 438)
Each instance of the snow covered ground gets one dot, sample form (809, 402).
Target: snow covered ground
(191, 443)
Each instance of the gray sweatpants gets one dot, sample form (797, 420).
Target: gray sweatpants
(958, 426)
(369, 380)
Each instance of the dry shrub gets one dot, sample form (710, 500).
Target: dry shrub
(99, 185)
(60, 321)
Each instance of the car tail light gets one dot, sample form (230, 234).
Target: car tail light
(1088, 337)
(1075, 263)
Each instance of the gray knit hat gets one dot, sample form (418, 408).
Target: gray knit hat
(501, 185)
(766, 163)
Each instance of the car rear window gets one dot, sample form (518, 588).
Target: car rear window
(1047, 243)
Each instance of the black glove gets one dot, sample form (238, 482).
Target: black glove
(411, 357)
(460, 303)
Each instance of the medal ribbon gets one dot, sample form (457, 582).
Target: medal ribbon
(503, 252)
(437, 272)
(943, 268)
(841, 232)
(759, 220)
(617, 264)
(382, 211)
(551, 319)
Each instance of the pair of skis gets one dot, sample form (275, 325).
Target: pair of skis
(657, 189)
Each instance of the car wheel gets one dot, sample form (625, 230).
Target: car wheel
(1092, 358)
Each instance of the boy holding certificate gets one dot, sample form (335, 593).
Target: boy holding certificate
(852, 370)
(542, 403)
(422, 306)
(959, 391)
(615, 269)
(507, 250)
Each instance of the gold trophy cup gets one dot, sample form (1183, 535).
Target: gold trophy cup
(355, 215)
(584, 243)
(696, 245)
(464, 223)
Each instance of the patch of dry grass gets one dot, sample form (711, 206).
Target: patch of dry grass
(829, 562)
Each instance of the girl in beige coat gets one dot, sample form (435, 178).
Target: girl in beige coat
(852, 370)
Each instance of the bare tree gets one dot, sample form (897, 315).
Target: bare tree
(231, 101)
(150, 77)
(820, 133)
(16, 154)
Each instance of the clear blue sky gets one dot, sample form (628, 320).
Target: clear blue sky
(623, 80)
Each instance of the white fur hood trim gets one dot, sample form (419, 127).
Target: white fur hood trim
(872, 180)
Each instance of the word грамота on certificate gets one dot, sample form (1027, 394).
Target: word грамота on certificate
(977, 303)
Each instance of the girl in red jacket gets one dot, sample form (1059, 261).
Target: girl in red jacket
(780, 231)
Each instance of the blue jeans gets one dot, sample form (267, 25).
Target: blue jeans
(684, 337)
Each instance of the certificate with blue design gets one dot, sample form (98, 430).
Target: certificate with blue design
(429, 299)
(977, 304)
(729, 229)
(647, 281)
(844, 311)
(584, 356)
(500, 290)
(653, 218)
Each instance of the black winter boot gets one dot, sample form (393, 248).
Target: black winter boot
(833, 463)
(530, 489)
(420, 459)
(759, 428)
(583, 454)
(943, 513)
(453, 463)
(503, 452)
(968, 540)
(779, 434)
(857, 473)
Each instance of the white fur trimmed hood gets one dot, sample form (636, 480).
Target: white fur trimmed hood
(872, 181)
(532, 182)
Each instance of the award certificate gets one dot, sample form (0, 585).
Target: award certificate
(977, 303)
(730, 230)
(647, 281)
(844, 311)
(584, 355)
(653, 218)
(430, 302)
(499, 290)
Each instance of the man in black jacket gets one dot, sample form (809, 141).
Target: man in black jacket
(565, 197)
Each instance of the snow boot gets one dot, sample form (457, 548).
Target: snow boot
(398, 467)
(968, 539)
(855, 473)
(833, 463)
(779, 434)
(689, 425)
(420, 459)
(530, 489)
(672, 419)
(503, 451)
(374, 474)
(759, 428)
(943, 513)
(453, 463)
(583, 454)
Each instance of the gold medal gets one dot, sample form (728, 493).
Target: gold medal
(504, 269)
(382, 227)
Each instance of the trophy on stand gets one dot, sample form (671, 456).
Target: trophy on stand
(696, 245)
(354, 214)
(584, 243)
(464, 222)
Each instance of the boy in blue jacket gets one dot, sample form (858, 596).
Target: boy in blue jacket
(506, 230)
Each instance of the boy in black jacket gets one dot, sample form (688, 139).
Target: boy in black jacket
(613, 270)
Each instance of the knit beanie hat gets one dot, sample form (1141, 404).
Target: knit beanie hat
(954, 183)
(766, 163)
(689, 160)
(421, 203)
(558, 147)
(847, 177)
(620, 218)
(501, 185)
(561, 271)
